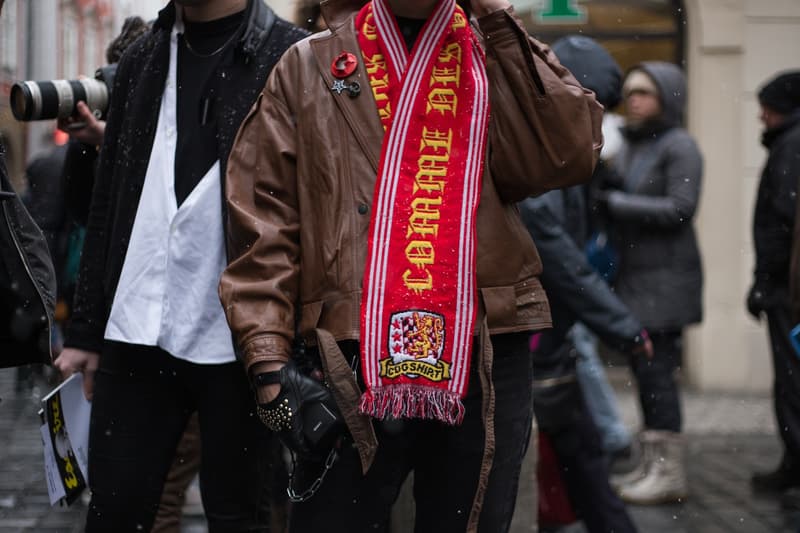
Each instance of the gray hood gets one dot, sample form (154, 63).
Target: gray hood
(671, 84)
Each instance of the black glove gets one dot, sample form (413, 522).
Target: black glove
(304, 414)
(758, 299)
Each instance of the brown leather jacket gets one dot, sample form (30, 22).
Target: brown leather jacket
(302, 172)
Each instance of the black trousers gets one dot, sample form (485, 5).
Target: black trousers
(787, 384)
(585, 472)
(445, 459)
(658, 388)
(143, 398)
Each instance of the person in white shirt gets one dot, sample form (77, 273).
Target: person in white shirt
(148, 331)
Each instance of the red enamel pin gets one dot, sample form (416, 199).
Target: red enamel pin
(344, 65)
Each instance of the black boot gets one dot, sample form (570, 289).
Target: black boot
(786, 476)
(790, 500)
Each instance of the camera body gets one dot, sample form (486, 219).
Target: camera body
(47, 100)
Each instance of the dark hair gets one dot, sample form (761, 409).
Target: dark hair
(132, 28)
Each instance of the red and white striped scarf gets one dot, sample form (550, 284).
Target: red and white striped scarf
(420, 292)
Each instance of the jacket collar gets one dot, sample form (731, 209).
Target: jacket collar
(260, 19)
(770, 136)
(360, 113)
(337, 12)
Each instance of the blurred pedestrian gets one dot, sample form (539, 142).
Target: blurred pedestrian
(775, 272)
(651, 205)
(322, 243)
(146, 297)
(596, 69)
(557, 222)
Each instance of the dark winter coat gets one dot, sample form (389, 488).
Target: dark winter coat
(557, 223)
(27, 282)
(775, 211)
(80, 165)
(44, 199)
(130, 130)
(660, 276)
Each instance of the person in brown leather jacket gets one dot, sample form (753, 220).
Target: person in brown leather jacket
(310, 228)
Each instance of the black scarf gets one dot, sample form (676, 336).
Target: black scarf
(649, 129)
(770, 135)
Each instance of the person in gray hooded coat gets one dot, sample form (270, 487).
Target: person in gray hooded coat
(651, 202)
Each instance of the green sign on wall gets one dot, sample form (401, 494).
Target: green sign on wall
(562, 11)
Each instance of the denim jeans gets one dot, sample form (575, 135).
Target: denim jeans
(142, 401)
(446, 461)
(600, 399)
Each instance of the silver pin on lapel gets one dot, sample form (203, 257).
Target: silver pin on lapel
(353, 88)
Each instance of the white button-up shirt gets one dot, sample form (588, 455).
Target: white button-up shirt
(167, 291)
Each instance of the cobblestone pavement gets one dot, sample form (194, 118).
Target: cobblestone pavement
(729, 436)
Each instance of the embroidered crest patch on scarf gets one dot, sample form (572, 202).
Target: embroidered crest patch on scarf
(419, 302)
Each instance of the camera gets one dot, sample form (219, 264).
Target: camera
(45, 100)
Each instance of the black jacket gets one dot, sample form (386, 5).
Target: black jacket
(557, 222)
(130, 130)
(27, 282)
(773, 219)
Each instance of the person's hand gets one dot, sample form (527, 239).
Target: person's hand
(83, 126)
(645, 347)
(480, 8)
(72, 360)
(285, 413)
(267, 393)
(757, 299)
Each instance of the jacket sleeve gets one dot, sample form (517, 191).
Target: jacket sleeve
(259, 287)
(782, 174)
(684, 172)
(86, 328)
(545, 129)
(794, 263)
(569, 279)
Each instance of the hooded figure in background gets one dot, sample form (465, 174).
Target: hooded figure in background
(557, 221)
(650, 203)
(597, 70)
(776, 276)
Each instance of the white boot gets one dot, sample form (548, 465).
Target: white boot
(665, 481)
(645, 444)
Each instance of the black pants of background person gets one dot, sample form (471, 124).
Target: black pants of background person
(142, 401)
(445, 459)
(658, 388)
(585, 472)
(786, 386)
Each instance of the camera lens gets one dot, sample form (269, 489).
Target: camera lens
(44, 100)
(22, 101)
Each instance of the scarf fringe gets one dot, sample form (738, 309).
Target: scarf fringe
(413, 401)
